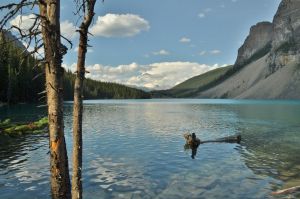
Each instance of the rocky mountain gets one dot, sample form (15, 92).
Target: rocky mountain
(268, 63)
(260, 37)
(12, 39)
(286, 35)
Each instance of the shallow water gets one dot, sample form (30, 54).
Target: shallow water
(134, 149)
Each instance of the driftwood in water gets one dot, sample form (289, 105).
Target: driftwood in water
(191, 139)
(229, 139)
(287, 191)
(192, 142)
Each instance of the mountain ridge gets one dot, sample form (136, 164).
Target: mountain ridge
(268, 62)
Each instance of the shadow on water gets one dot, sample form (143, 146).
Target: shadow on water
(22, 112)
(194, 149)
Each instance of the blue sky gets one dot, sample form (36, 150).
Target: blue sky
(157, 44)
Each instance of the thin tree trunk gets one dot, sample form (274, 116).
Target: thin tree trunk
(78, 98)
(60, 180)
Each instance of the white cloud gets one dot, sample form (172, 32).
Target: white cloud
(161, 52)
(23, 22)
(201, 15)
(89, 50)
(204, 12)
(119, 25)
(161, 75)
(40, 52)
(203, 52)
(185, 40)
(71, 67)
(212, 52)
(215, 52)
(68, 29)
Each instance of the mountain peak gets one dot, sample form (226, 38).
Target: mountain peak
(259, 37)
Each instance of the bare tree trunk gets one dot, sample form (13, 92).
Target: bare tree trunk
(50, 19)
(78, 98)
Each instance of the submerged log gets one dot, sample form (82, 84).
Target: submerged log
(286, 191)
(192, 142)
(191, 139)
(229, 139)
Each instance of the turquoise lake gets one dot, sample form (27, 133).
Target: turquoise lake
(135, 149)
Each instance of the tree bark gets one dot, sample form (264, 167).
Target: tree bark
(50, 21)
(78, 101)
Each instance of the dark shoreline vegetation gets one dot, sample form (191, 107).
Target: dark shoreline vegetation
(23, 81)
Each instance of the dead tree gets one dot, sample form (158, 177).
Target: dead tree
(87, 7)
(45, 32)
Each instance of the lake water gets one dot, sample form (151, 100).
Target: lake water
(135, 149)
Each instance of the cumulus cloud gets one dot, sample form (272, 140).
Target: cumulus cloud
(215, 52)
(161, 52)
(161, 75)
(68, 29)
(119, 25)
(185, 40)
(24, 22)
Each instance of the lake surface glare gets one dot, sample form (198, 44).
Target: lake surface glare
(135, 149)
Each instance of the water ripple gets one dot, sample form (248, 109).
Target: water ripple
(136, 150)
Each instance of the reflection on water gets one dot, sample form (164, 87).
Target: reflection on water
(133, 149)
(193, 149)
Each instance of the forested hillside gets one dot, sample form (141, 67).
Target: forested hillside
(21, 79)
(102, 90)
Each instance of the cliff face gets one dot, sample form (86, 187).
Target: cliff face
(260, 37)
(268, 63)
(9, 37)
(282, 36)
(286, 23)
(286, 35)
